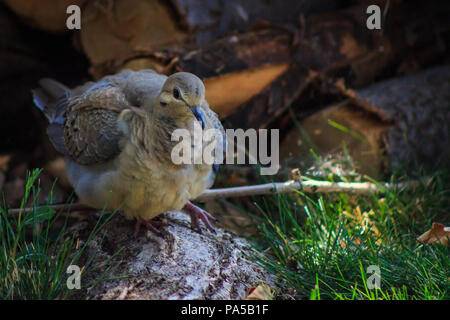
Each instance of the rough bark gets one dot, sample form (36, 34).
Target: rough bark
(338, 44)
(182, 264)
(363, 139)
(400, 123)
(253, 77)
(419, 107)
(234, 68)
(257, 57)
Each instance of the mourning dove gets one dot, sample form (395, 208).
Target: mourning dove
(116, 136)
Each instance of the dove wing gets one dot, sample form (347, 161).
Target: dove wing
(91, 131)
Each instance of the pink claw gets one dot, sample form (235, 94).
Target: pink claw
(197, 214)
(150, 224)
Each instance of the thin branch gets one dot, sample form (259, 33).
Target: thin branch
(308, 186)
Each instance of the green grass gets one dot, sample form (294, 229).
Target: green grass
(320, 246)
(35, 250)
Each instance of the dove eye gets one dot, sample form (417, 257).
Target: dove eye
(176, 93)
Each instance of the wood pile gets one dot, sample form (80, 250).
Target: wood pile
(262, 62)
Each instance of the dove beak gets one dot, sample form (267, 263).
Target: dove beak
(198, 113)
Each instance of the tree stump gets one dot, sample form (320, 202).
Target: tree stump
(180, 264)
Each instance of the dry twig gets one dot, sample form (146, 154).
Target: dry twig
(307, 186)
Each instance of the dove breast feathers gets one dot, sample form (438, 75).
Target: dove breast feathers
(116, 139)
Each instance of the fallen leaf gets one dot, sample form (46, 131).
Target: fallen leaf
(261, 292)
(437, 234)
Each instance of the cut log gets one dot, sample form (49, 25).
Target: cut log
(335, 43)
(260, 72)
(401, 123)
(215, 18)
(114, 30)
(339, 44)
(233, 69)
(335, 130)
(244, 85)
(419, 107)
(180, 264)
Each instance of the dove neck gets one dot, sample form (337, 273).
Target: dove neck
(158, 140)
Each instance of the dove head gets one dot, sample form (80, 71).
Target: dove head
(182, 96)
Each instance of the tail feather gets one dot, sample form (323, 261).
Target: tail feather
(40, 99)
(53, 88)
(52, 99)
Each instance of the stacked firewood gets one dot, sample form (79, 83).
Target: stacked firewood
(265, 64)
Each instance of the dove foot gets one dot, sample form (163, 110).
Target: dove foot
(150, 225)
(198, 214)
